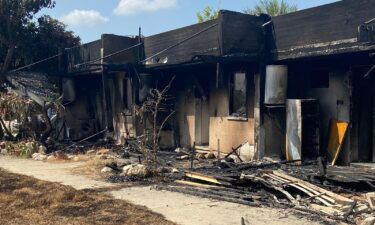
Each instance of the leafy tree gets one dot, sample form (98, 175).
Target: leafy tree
(45, 38)
(15, 15)
(208, 13)
(272, 8)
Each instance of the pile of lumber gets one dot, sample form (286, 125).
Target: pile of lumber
(270, 188)
(214, 187)
(317, 198)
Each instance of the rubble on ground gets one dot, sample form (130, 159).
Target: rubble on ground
(284, 184)
(343, 194)
(136, 170)
(39, 156)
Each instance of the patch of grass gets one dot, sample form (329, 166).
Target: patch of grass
(25, 200)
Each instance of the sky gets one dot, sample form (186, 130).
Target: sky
(91, 18)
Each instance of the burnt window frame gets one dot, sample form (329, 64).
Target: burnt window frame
(231, 83)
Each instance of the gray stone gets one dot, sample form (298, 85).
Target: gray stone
(107, 170)
(136, 170)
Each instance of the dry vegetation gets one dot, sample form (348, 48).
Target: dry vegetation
(25, 200)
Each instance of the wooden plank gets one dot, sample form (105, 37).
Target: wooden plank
(194, 184)
(336, 138)
(338, 198)
(210, 195)
(270, 185)
(204, 177)
(308, 191)
(327, 210)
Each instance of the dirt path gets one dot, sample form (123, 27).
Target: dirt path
(179, 208)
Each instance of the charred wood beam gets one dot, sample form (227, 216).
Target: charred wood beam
(263, 165)
(210, 195)
(234, 151)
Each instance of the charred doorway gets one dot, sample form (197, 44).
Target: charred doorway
(202, 116)
(202, 122)
(364, 114)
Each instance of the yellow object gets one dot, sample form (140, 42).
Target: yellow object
(337, 133)
(203, 177)
(190, 183)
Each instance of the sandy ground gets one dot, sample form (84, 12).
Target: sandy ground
(176, 207)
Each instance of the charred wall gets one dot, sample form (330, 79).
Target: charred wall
(83, 116)
(240, 34)
(331, 86)
(204, 44)
(121, 95)
(322, 30)
(223, 131)
(114, 43)
(228, 132)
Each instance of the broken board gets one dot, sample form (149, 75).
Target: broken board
(337, 133)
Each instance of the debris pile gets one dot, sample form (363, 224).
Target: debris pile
(281, 185)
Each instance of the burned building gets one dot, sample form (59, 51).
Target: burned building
(283, 85)
(215, 65)
(97, 90)
(328, 51)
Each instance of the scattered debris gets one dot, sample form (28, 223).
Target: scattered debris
(39, 156)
